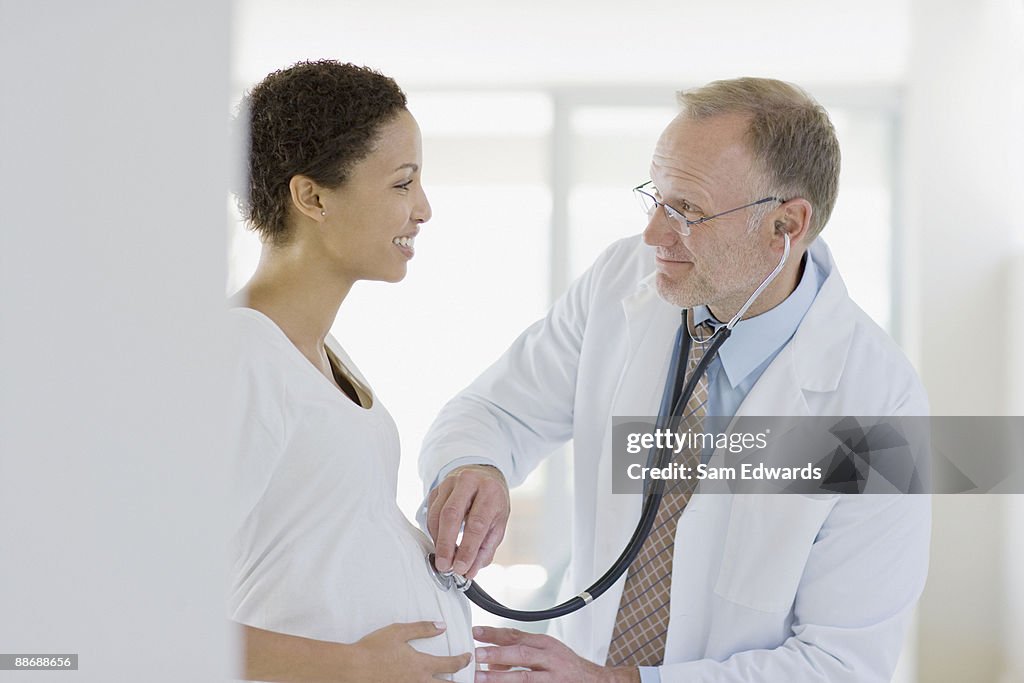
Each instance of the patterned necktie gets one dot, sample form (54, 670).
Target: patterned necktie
(642, 621)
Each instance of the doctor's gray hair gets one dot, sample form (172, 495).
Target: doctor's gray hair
(790, 136)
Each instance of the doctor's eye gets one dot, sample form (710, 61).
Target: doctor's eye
(690, 211)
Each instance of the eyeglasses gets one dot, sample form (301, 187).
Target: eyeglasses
(647, 192)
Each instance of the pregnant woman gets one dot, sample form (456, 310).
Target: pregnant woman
(328, 577)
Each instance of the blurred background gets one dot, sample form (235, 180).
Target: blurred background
(537, 121)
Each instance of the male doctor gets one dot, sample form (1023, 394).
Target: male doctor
(783, 588)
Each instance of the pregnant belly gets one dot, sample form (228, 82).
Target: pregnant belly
(341, 581)
(425, 600)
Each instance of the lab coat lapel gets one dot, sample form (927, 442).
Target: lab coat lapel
(779, 391)
(812, 361)
(651, 325)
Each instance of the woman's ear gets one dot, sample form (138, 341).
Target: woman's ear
(305, 194)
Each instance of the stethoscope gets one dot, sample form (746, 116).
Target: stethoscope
(652, 499)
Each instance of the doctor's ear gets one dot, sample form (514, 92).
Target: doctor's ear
(794, 218)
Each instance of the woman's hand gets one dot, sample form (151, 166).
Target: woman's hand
(383, 656)
(386, 656)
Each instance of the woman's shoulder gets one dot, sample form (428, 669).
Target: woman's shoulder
(257, 349)
(252, 332)
(258, 373)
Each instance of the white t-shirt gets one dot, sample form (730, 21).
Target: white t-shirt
(319, 547)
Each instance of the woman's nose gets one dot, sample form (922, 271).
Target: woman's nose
(423, 211)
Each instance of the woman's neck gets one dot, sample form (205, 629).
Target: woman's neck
(298, 293)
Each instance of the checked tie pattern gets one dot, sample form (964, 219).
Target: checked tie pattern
(641, 624)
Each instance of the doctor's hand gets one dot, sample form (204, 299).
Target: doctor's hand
(548, 660)
(475, 496)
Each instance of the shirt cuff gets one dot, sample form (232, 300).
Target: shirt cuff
(421, 513)
(649, 674)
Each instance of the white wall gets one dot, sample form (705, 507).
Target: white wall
(479, 44)
(964, 148)
(112, 177)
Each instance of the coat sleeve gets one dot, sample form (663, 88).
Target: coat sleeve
(521, 408)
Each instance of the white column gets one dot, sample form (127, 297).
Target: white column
(964, 175)
(1013, 573)
(112, 224)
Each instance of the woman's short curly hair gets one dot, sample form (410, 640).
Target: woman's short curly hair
(316, 119)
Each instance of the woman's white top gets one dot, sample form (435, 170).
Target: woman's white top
(319, 546)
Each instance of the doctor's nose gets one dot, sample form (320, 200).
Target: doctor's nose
(659, 231)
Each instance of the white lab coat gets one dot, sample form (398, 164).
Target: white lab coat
(765, 587)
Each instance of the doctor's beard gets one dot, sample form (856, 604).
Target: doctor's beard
(722, 278)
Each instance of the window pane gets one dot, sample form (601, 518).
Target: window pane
(612, 149)
(860, 229)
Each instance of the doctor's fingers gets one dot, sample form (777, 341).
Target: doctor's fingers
(471, 497)
(548, 658)
(487, 549)
(515, 655)
(513, 636)
(484, 529)
(435, 499)
(444, 521)
(497, 676)
(444, 532)
(520, 648)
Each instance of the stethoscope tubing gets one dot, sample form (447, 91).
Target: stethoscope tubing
(652, 501)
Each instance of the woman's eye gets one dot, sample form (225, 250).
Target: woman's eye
(405, 185)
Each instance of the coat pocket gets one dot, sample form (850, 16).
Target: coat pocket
(767, 544)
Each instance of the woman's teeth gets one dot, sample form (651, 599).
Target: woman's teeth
(404, 241)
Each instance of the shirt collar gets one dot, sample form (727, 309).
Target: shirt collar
(755, 340)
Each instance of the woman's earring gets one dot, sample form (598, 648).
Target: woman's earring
(323, 213)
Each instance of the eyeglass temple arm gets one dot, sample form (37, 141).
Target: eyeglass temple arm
(738, 208)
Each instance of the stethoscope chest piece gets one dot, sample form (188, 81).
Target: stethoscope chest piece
(449, 579)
